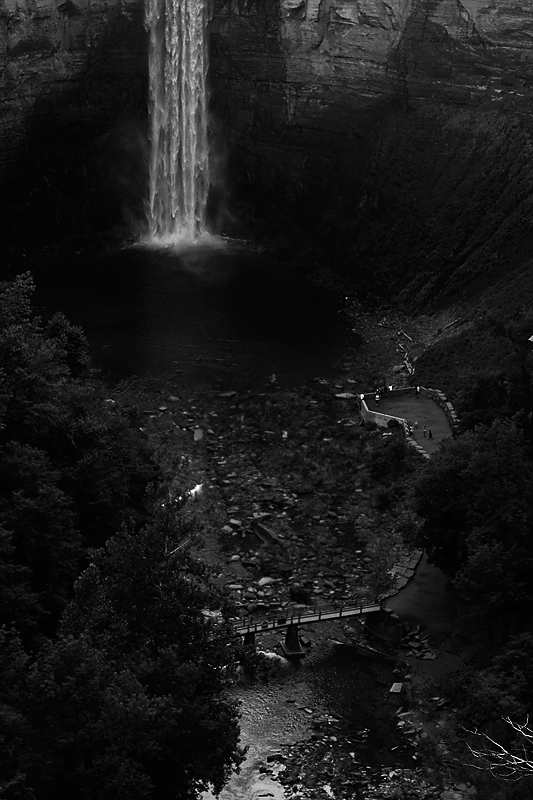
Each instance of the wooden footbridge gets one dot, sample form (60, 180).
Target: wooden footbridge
(291, 623)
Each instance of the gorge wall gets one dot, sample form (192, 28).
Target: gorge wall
(67, 63)
(403, 124)
(305, 81)
(400, 128)
(73, 76)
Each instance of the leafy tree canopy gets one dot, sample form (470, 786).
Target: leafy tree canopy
(73, 466)
(475, 499)
(129, 701)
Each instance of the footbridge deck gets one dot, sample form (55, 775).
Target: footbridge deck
(262, 624)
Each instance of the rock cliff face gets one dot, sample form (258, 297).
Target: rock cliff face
(305, 81)
(70, 71)
(68, 62)
(403, 124)
(299, 83)
(401, 128)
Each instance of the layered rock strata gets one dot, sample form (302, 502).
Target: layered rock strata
(408, 119)
(64, 64)
(304, 81)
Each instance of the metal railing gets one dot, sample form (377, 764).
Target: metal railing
(279, 621)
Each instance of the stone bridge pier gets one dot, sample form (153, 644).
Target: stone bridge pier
(291, 646)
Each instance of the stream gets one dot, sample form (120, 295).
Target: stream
(228, 315)
(325, 695)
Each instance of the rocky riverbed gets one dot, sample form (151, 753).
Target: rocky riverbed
(295, 513)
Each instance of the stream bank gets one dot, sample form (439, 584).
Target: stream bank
(295, 459)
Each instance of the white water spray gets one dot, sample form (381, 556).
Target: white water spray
(179, 155)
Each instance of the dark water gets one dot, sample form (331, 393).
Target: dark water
(210, 312)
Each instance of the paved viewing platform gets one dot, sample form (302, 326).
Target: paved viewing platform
(422, 410)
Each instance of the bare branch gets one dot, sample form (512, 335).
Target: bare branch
(500, 761)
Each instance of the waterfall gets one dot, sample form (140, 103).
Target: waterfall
(179, 153)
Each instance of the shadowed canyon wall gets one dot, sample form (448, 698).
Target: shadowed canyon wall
(303, 83)
(73, 80)
(66, 63)
(403, 125)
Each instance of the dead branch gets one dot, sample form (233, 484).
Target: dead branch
(500, 761)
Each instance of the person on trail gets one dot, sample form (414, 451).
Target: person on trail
(416, 424)
(430, 435)
(424, 431)
(377, 398)
(417, 391)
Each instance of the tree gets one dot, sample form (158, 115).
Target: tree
(499, 686)
(143, 603)
(14, 728)
(73, 466)
(475, 499)
(506, 391)
(126, 699)
(129, 701)
(44, 541)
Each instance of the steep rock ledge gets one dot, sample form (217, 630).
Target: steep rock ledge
(302, 83)
(402, 125)
(73, 79)
(66, 63)
(401, 129)
(299, 83)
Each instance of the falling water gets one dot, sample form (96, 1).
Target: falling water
(179, 157)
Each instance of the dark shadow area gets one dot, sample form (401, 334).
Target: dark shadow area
(78, 175)
(223, 313)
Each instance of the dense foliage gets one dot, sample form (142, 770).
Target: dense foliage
(72, 467)
(487, 367)
(127, 702)
(476, 503)
(113, 648)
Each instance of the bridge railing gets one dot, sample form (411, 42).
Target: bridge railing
(317, 615)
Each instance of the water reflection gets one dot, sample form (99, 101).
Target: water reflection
(351, 690)
(268, 722)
